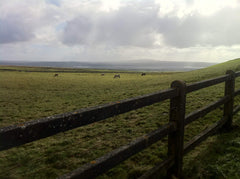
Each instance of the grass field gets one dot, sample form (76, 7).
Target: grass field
(28, 93)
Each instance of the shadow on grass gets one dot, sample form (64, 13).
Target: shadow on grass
(217, 157)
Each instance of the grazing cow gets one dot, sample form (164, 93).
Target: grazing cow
(116, 76)
(143, 74)
(56, 75)
(102, 74)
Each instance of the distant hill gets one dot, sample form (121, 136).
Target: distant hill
(220, 69)
(138, 65)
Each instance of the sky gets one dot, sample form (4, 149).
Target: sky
(119, 30)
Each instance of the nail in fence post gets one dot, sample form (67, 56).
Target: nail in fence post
(228, 107)
(175, 139)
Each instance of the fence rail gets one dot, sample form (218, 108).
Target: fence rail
(207, 83)
(19, 134)
(30, 131)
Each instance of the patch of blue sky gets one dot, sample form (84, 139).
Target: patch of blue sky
(54, 2)
(60, 26)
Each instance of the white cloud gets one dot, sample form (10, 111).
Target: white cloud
(141, 26)
(108, 6)
(101, 29)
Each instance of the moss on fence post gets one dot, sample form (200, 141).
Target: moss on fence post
(175, 139)
(228, 107)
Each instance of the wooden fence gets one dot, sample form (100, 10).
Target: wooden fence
(30, 131)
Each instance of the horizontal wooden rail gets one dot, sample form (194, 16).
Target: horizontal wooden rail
(30, 131)
(206, 83)
(237, 74)
(203, 135)
(237, 92)
(104, 163)
(236, 109)
(202, 112)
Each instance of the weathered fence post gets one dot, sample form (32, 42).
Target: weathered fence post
(228, 107)
(175, 139)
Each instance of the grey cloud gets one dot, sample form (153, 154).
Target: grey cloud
(77, 31)
(14, 29)
(129, 25)
(24, 21)
(219, 29)
(181, 33)
(133, 25)
(225, 27)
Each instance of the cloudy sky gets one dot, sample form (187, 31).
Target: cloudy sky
(119, 30)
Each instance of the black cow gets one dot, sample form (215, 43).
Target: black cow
(116, 76)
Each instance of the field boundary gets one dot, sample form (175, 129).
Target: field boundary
(74, 70)
(20, 134)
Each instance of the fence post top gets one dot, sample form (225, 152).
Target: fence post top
(178, 84)
(230, 72)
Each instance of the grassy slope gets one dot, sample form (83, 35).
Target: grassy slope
(26, 96)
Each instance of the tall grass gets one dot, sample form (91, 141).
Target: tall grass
(27, 96)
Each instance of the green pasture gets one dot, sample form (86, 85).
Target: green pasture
(32, 93)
